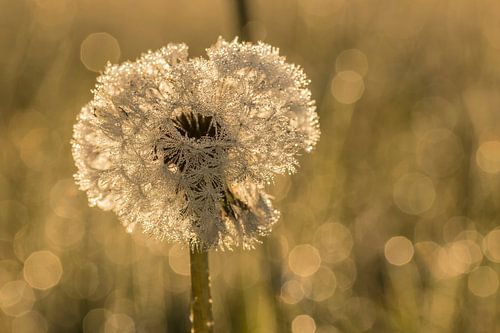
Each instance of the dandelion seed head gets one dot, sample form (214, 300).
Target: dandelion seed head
(182, 147)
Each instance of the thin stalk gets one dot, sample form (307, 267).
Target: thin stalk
(201, 302)
(242, 11)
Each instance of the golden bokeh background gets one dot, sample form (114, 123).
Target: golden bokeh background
(391, 225)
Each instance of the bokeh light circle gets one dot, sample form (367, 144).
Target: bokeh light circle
(398, 250)
(491, 245)
(347, 87)
(97, 49)
(303, 324)
(324, 284)
(334, 242)
(414, 193)
(352, 60)
(42, 270)
(119, 323)
(483, 281)
(488, 157)
(16, 298)
(304, 260)
(292, 292)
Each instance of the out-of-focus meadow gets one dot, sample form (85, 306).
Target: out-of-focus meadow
(391, 225)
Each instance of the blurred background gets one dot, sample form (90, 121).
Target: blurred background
(391, 225)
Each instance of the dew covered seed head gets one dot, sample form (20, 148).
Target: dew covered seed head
(181, 148)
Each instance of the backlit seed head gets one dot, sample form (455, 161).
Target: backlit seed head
(182, 147)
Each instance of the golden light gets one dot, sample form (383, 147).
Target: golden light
(352, 60)
(414, 193)
(42, 270)
(16, 298)
(323, 284)
(292, 292)
(334, 242)
(488, 157)
(483, 281)
(97, 49)
(452, 260)
(303, 324)
(304, 260)
(466, 252)
(398, 250)
(403, 185)
(491, 245)
(119, 323)
(347, 87)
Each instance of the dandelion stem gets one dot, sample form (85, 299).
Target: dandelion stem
(201, 302)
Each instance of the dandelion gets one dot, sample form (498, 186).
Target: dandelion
(182, 148)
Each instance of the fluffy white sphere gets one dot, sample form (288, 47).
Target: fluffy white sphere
(182, 147)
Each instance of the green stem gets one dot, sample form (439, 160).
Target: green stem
(201, 302)
(242, 10)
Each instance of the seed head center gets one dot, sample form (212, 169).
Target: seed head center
(196, 126)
